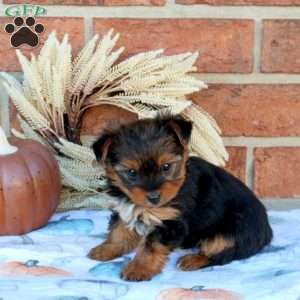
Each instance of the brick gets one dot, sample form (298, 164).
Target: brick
(224, 45)
(91, 2)
(237, 162)
(280, 46)
(276, 172)
(134, 2)
(253, 110)
(53, 2)
(242, 2)
(73, 26)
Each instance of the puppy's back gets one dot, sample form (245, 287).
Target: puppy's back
(236, 206)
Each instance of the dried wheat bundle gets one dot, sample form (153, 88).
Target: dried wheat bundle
(57, 90)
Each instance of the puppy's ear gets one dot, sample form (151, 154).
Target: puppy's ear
(181, 127)
(101, 147)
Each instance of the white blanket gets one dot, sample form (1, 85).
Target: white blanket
(51, 264)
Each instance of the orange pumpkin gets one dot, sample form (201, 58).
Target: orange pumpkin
(29, 185)
(197, 293)
(30, 268)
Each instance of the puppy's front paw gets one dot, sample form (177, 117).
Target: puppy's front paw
(105, 252)
(136, 272)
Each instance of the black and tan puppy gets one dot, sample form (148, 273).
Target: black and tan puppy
(168, 200)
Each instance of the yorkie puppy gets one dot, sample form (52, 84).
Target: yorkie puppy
(166, 199)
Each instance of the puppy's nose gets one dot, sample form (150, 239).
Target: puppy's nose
(153, 197)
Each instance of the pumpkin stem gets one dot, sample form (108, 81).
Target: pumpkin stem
(31, 263)
(197, 288)
(5, 147)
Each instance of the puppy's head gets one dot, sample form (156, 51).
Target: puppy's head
(146, 160)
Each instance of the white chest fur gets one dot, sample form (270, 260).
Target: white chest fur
(142, 219)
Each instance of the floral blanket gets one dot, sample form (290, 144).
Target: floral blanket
(51, 264)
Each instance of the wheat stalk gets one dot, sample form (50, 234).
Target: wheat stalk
(57, 90)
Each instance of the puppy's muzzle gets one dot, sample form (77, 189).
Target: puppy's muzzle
(153, 197)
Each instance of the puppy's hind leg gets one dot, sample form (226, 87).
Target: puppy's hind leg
(215, 251)
(193, 262)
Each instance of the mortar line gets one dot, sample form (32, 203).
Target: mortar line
(4, 111)
(215, 78)
(170, 2)
(282, 79)
(285, 204)
(253, 78)
(257, 45)
(249, 167)
(175, 11)
(262, 141)
(281, 199)
(88, 28)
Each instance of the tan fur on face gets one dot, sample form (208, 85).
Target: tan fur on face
(148, 262)
(120, 241)
(168, 158)
(139, 196)
(216, 245)
(169, 190)
(130, 164)
(136, 194)
(113, 175)
(177, 161)
(116, 180)
(173, 181)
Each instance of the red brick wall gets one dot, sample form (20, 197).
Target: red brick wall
(249, 56)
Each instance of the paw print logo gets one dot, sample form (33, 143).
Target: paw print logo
(24, 31)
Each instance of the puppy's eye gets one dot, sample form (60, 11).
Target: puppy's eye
(131, 173)
(166, 167)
